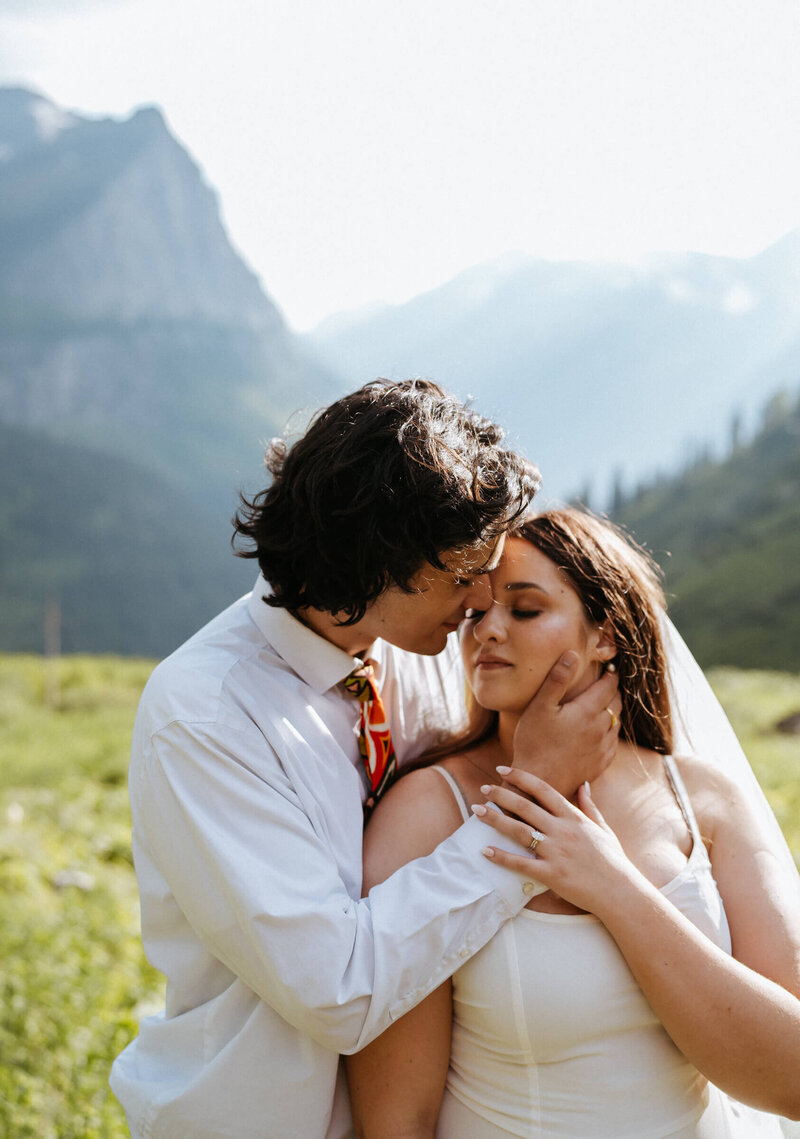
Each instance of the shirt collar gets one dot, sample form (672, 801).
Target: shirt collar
(316, 661)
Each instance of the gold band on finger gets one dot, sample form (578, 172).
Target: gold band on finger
(536, 838)
(613, 715)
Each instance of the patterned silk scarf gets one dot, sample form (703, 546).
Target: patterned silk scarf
(375, 740)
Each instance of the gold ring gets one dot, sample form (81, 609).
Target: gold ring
(614, 720)
(536, 838)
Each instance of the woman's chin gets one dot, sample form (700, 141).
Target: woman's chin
(494, 702)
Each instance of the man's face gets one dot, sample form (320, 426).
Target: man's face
(420, 621)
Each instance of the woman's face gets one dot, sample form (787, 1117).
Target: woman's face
(536, 616)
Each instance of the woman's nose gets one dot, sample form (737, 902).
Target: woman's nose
(491, 626)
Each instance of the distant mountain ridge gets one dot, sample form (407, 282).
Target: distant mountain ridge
(131, 328)
(602, 371)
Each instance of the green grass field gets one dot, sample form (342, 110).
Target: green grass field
(74, 979)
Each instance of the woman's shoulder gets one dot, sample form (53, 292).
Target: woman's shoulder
(716, 797)
(417, 813)
(705, 779)
(422, 790)
(429, 784)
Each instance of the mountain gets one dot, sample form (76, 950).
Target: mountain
(134, 334)
(604, 372)
(142, 366)
(127, 320)
(727, 534)
(108, 220)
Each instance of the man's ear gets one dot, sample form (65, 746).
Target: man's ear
(606, 647)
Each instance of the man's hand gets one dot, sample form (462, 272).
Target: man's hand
(569, 742)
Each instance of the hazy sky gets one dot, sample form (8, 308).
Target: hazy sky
(366, 149)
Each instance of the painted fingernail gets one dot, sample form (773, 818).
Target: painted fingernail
(485, 789)
(478, 809)
(488, 852)
(502, 770)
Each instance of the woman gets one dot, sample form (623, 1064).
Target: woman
(609, 1004)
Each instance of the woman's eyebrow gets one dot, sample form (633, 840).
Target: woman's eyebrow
(516, 585)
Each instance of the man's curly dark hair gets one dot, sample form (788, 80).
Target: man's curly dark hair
(384, 480)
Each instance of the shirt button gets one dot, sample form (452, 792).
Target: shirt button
(528, 888)
(463, 954)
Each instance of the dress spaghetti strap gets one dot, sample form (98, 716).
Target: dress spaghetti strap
(684, 802)
(458, 794)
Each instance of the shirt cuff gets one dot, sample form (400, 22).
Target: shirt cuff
(514, 889)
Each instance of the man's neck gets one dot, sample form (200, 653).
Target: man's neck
(353, 639)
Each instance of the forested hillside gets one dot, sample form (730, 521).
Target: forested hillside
(727, 534)
(126, 559)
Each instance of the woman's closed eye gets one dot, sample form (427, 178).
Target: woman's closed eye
(517, 614)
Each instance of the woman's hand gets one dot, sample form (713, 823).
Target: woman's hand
(577, 855)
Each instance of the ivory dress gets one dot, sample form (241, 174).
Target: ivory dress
(552, 1036)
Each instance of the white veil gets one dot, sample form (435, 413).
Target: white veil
(700, 726)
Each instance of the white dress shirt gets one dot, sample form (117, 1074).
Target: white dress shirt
(246, 791)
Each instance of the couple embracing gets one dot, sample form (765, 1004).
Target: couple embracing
(574, 915)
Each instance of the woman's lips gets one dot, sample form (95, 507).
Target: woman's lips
(488, 664)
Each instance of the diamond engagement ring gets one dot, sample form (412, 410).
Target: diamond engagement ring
(536, 838)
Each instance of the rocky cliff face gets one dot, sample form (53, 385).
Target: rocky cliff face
(128, 321)
(112, 220)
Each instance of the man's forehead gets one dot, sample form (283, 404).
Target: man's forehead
(482, 558)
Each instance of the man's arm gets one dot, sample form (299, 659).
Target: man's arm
(259, 883)
(263, 861)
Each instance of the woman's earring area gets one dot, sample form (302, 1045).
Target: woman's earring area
(611, 666)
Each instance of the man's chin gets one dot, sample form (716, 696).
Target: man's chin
(432, 645)
(429, 645)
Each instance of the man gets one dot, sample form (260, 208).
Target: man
(247, 782)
